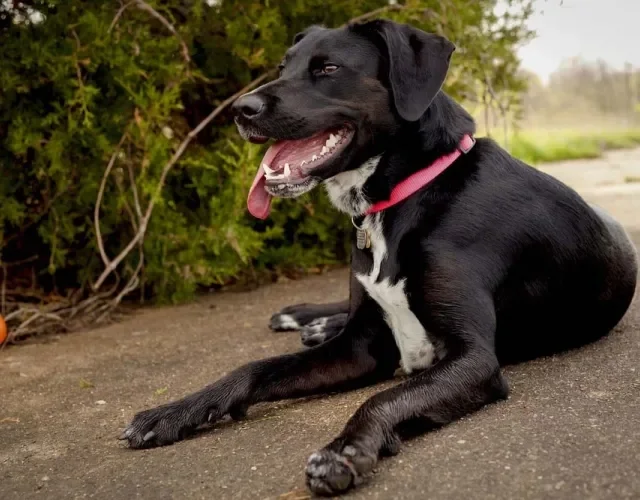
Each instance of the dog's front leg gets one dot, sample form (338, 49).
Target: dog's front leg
(467, 378)
(356, 357)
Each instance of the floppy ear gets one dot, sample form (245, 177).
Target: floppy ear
(310, 29)
(418, 65)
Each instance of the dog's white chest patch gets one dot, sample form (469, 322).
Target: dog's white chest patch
(345, 189)
(416, 351)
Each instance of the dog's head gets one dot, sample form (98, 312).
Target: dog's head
(341, 97)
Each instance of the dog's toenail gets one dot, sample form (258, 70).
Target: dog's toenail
(148, 435)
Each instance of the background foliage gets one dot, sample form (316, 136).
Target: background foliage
(80, 77)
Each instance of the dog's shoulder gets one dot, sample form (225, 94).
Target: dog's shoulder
(505, 195)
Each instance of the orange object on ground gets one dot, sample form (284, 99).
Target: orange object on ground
(3, 330)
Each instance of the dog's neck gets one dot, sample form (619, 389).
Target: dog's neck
(412, 148)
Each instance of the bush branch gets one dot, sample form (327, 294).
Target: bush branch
(96, 211)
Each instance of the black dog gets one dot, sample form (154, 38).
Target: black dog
(492, 262)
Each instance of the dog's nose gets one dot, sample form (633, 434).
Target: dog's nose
(248, 106)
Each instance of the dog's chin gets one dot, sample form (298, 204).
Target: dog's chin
(292, 190)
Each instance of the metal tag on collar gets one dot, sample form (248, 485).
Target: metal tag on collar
(464, 150)
(363, 238)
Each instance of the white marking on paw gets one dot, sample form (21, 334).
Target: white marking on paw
(416, 351)
(317, 325)
(287, 321)
(339, 188)
(316, 466)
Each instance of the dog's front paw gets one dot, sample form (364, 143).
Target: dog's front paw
(334, 470)
(162, 426)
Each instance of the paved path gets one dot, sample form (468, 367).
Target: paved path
(571, 428)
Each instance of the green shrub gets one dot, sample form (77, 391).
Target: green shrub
(78, 77)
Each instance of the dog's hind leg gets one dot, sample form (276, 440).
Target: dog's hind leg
(299, 315)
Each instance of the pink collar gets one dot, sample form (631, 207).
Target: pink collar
(423, 177)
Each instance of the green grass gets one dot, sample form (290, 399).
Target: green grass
(540, 146)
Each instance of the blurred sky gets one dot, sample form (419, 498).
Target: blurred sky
(606, 29)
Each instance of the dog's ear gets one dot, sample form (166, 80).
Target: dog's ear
(418, 66)
(310, 29)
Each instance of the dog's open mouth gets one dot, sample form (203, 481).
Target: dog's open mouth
(287, 169)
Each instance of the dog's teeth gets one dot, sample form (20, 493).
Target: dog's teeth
(314, 158)
(271, 174)
(324, 150)
(267, 170)
(287, 170)
(303, 162)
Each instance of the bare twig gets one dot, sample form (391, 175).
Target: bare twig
(145, 6)
(134, 188)
(21, 262)
(142, 5)
(63, 315)
(375, 13)
(127, 207)
(119, 14)
(96, 211)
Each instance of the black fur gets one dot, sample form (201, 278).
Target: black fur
(502, 262)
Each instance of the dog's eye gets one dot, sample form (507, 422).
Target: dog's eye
(280, 68)
(326, 69)
(329, 68)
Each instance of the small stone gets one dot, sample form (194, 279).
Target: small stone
(461, 441)
(101, 402)
(45, 478)
(254, 468)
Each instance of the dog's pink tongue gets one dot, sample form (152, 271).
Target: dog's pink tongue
(259, 201)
